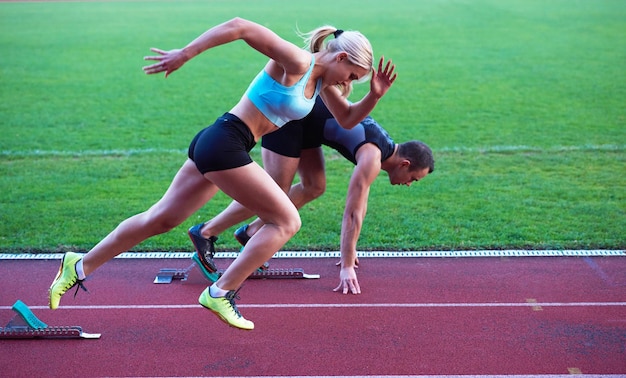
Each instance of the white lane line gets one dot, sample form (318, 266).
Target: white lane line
(439, 376)
(337, 254)
(446, 376)
(338, 305)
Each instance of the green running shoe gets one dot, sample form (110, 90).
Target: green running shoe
(66, 279)
(225, 308)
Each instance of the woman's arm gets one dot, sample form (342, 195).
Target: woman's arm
(349, 115)
(292, 58)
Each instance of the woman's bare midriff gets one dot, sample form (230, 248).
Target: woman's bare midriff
(258, 124)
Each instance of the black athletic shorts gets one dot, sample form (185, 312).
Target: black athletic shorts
(224, 145)
(294, 137)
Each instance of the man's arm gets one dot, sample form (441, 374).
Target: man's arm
(364, 174)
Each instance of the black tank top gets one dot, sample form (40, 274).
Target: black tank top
(347, 142)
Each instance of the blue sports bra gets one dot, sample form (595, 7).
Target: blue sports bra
(282, 104)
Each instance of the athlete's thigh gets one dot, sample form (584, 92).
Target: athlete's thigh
(254, 188)
(187, 193)
(281, 168)
(311, 168)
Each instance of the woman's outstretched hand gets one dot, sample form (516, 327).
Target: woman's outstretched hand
(382, 78)
(167, 61)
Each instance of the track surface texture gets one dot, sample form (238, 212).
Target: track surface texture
(527, 316)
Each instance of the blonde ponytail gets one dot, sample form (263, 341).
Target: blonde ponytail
(354, 43)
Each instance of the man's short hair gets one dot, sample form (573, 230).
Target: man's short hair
(418, 153)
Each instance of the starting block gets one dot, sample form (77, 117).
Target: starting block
(25, 325)
(167, 275)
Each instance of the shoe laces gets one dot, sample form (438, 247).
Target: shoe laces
(231, 296)
(204, 246)
(79, 285)
(211, 241)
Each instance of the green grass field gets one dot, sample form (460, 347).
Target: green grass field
(522, 101)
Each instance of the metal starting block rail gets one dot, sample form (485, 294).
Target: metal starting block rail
(25, 325)
(167, 275)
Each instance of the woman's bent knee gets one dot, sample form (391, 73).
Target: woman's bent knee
(295, 226)
(291, 224)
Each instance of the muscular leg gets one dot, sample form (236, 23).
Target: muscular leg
(187, 193)
(233, 214)
(254, 189)
(281, 168)
(312, 183)
(312, 178)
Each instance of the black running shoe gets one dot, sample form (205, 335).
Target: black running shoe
(205, 249)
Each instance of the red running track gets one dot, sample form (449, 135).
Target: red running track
(531, 316)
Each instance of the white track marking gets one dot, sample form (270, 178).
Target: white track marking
(338, 305)
(442, 376)
(337, 254)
